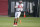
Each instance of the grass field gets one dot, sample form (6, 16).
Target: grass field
(25, 22)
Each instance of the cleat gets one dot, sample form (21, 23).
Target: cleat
(15, 25)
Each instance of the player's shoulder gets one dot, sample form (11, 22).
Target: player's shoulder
(17, 3)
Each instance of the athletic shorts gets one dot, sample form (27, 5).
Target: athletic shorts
(17, 14)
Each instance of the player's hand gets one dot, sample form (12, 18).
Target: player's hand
(15, 6)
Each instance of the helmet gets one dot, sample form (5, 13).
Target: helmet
(20, 1)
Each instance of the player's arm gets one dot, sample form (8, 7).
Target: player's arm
(16, 5)
(22, 5)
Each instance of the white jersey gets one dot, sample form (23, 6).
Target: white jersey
(19, 7)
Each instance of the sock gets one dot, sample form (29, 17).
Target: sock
(14, 22)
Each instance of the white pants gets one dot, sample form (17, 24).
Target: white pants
(17, 14)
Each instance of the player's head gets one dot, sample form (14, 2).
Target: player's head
(20, 2)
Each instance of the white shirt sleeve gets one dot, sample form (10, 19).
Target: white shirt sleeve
(17, 4)
(22, 5)
(22, 8)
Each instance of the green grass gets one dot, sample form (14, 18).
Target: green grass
(25, 22)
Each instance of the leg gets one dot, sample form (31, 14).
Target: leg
(19, 13)
(15, 19)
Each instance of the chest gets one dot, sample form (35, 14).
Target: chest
(20, 6)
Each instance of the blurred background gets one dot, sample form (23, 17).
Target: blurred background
(3, 7)
(31, 8)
